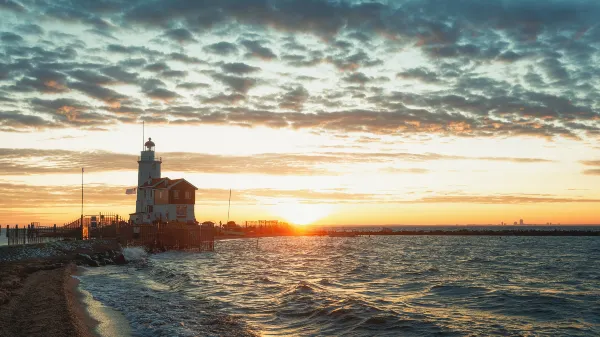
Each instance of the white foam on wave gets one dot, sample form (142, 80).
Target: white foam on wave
(134, 254)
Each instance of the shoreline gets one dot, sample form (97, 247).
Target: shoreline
(100, 320)
(41, 295)
(40, 299)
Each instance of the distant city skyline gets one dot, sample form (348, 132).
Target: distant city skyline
(321, 112)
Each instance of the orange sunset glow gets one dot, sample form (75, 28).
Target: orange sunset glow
(305, 121)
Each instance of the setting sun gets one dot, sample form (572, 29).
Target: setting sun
(300, 213)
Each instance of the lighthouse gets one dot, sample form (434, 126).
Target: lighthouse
(148, 169)
(160, 199)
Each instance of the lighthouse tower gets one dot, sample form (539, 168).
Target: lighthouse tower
(148, 169)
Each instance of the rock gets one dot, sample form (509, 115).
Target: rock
(108, 261)
(83, 257)
(120, 259)
(93, 263)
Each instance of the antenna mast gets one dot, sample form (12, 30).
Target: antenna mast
(229, 205)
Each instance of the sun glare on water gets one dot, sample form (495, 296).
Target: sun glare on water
(301, 214)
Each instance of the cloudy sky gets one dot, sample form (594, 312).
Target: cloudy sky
(338, 112)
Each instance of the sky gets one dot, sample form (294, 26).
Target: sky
(310, 111)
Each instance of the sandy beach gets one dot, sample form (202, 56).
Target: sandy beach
(40, 296)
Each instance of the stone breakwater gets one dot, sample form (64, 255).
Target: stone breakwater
(100, 259)
(62, 250)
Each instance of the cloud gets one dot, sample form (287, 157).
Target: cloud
(193, 85)
(238, 84)
(594, 171)
(30, 196)
(157, 67)
(225, 99)
(353, 62)
(69, 112)
(174, 73)
(239, 68)
(12, 6)
(255, 49)
(591, 162)
(419, 74)
(504, 200)
(544, 83)
(180, 35)
(91, 77)
(222, 48)
(30, 28)
(120, 74)
(161, 94)
(397, 170)
(358, 78)
(13, 121)
(103, 94)
(156, 90)
(46, 81)
(28, 161)
(294, 99)
(186, 59)
(133, 50)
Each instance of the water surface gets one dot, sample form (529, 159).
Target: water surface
(363, 286)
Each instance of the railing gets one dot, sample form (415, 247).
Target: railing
(111, 226)
(33, 233)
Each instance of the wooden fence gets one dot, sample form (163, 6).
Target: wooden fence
(34, 233)
(111, 226)
(162, 236)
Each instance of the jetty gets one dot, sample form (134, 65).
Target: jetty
(158, 236)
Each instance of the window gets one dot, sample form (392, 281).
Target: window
(176, 194)
(187, 195)
(150, 209)
(160, 194)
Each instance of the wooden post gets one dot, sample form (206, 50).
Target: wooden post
(7, 228)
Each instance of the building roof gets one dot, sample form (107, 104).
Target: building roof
(152, 182)
(164, 183)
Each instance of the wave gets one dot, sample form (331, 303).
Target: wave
(328, 312)
(145, 296)
(431, 289)
(133, 254)
(264, 279)
(457, 290)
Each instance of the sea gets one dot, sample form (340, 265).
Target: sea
(360, 286)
